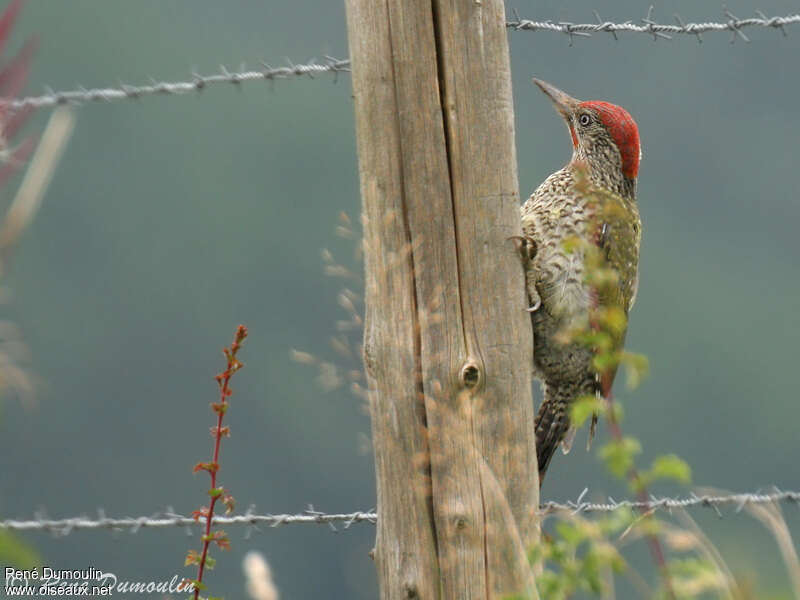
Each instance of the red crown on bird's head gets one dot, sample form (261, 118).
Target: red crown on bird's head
(623, 130)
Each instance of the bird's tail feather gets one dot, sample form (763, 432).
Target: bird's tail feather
(552, 422)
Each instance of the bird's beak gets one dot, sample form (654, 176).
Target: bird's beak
(565, 104)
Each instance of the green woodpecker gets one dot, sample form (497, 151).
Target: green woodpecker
(605, 165)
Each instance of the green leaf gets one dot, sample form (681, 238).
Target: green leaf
(618, 520)
(601, 341)
(583, 408)
(618, 455)
(605, 362)
(670, 466)
(612, 319)
(571, 244)
(636, 368)
(570, 533)
(617, 411)
(15, 552)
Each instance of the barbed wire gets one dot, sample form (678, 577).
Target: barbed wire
(171, 519)
(706, 500)
(648, 26)
(345, 520)
(197, 84)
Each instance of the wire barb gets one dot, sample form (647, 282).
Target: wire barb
(605, 26)
(198, 83)
(651, 26)
(685, 26)
(733, 22)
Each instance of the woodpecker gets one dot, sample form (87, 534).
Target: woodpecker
(605, 157)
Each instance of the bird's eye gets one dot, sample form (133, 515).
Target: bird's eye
(584, 119)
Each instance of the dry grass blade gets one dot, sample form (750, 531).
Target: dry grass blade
(771, 516)
(258, 575)
(37, 178)
(707, 549)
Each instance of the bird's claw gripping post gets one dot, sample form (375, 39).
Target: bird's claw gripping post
(526, 247)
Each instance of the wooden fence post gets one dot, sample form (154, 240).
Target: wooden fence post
(448, 346)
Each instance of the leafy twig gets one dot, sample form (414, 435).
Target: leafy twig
(202, 559)
(604, 332)
(637, 483)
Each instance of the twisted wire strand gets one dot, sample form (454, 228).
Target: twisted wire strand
(345, 520)
(648, 26)
(197, 84)
(170, 519)
(666, 503)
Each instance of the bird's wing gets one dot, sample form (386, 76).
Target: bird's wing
(618, 235)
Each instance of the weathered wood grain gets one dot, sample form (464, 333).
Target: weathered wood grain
(447, 342)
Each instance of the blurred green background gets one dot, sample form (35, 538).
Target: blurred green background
(172, 219)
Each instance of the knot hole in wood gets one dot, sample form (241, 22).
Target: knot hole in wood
(470, 375)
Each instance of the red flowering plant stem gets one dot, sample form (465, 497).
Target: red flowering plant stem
(202, 558)
(640, 488)
(13, 75)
